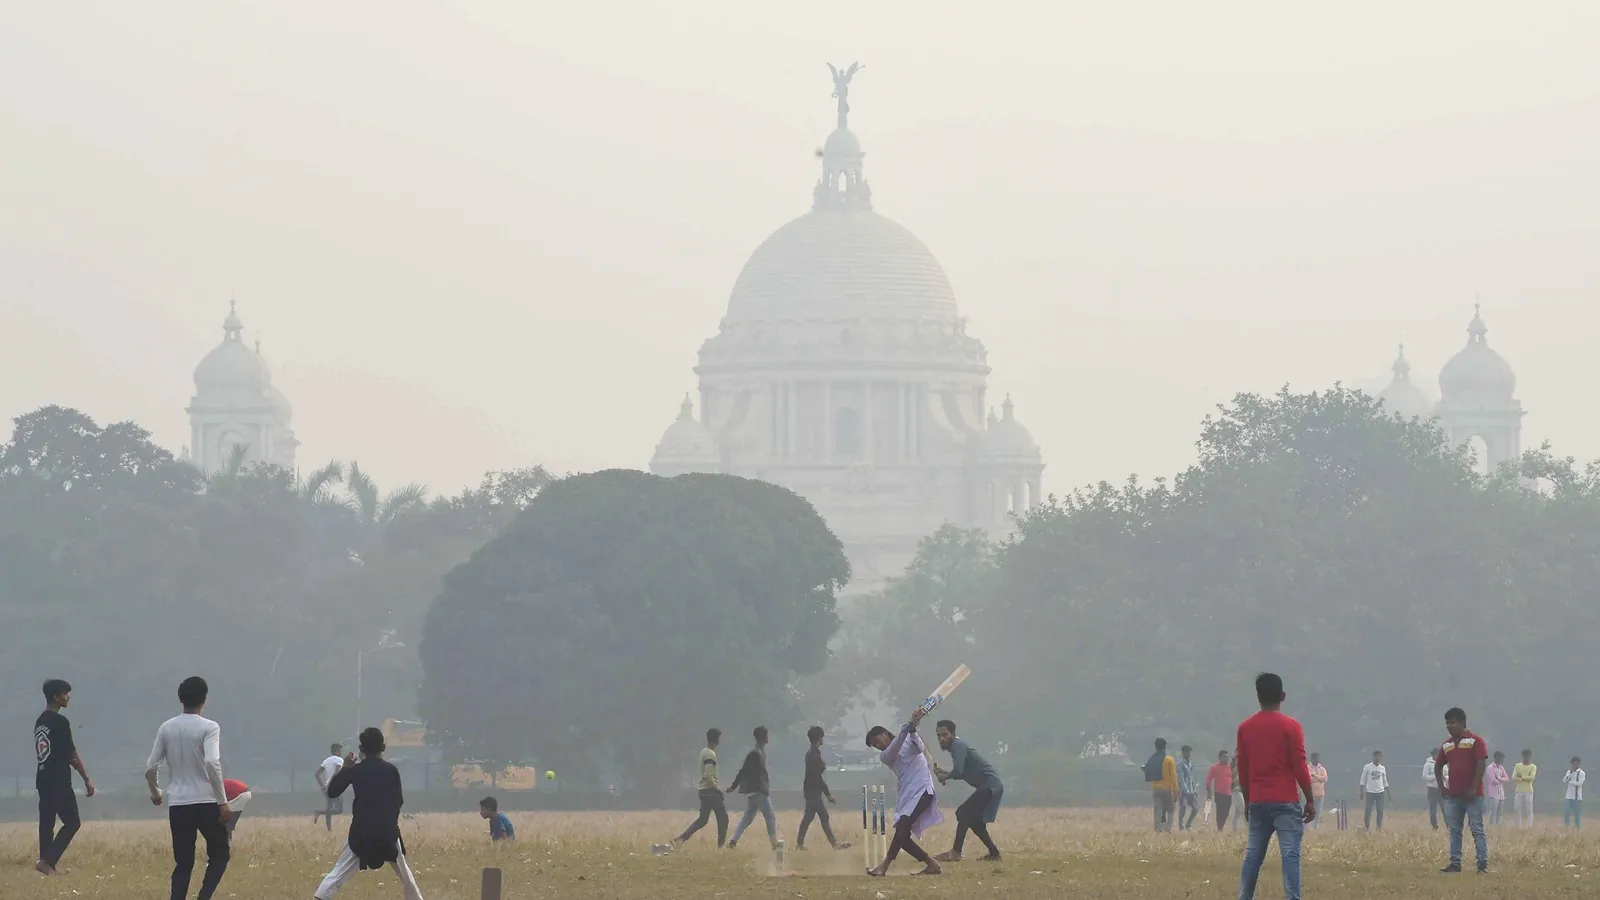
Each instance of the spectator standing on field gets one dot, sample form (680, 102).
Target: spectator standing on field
(239, 796)
(1161, 773)
(1219, 787)
(1374, 789)
(57, 756)
(1188, 789)
(814, 787)
(1574, 779)
(1319, 788)
(1272, 766)
(197, 800)
(330, 767)
(1494, 787)
(1522, 778)
(1461, 762)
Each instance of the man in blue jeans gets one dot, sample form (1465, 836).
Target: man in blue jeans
(1272, 776)
(1459, 766)
(753, 782)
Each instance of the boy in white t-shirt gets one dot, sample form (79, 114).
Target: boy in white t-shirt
(1374, 788)
(330, 767)
(1574, 779)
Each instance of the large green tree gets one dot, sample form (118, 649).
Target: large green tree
(621, 614)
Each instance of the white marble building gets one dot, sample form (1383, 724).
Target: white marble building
(844, 371)
(235, 404)
(1477, 398)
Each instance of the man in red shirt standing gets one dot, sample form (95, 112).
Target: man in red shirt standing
(1272, 766)
(1464, 756)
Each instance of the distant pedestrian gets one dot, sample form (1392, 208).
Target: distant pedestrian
(814, 787)
(710, 792)
(1272, 765)
(753, 782)
(1219, 788)
(1462, 761)
(1374, 789)
(982, 806)
(329, 767)
(1161, 773)
(1319, 788)
(374, 840)
(1188, 789)
(190, 746)
(1494, 787)
(1574, 779)
(1430, 781)
(57, 756)
(500, 827)
(1523, 775)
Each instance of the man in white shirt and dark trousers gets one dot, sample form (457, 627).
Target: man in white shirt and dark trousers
(1574, 779)
(197, 801)
(330, 767)
(1374, 787)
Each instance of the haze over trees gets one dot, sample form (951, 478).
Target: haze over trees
(1316, 536)
(599, 623)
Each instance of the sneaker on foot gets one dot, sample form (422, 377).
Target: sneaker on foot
(1451, 869)
(842, 845)
(948, 856)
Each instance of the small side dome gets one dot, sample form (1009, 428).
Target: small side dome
(687, 446)
(1006, 440)
(842, 145)
(1477, 373)
(1402, 396)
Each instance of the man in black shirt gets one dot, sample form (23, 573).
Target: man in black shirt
(816, 791)
(752, 781)
(58, 756)
(374, 819)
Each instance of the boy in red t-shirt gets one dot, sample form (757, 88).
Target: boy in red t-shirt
(1465, 757)
(1272, 776)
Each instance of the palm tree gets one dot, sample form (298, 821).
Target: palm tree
(374, 509)
(318, 486)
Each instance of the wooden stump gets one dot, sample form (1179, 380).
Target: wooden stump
(491, 884)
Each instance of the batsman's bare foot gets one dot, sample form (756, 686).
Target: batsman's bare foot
(44, 868)
(878, 871)
(948, 856)
(932, 869)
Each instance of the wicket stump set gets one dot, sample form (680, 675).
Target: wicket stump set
(874, 823)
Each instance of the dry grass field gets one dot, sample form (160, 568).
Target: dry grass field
(1051, 854)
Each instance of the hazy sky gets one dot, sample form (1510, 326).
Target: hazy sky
(487, 233)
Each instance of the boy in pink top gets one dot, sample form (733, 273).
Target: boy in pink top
(1495, 779)
(1319, 786)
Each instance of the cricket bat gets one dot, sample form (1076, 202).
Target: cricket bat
(946, 689)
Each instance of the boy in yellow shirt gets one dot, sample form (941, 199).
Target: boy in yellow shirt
(1161, 773)
(1522, 775)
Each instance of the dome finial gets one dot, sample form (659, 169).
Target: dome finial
(1402, 366)
(1008, 410)
(231, 326)
(1476, 329)
(686, 411)
(842, 185)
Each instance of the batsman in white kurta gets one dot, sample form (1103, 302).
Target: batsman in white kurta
(916, 807)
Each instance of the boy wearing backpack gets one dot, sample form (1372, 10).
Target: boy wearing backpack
(1161, 773)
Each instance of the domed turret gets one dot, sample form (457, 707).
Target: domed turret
(1006, 440)
(1402, 396)
(1476, 374)
(235, 404)
(687, 446)
(232, 368)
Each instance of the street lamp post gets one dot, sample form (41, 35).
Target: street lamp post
(386, 641)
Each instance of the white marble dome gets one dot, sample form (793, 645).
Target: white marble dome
(1007, 440)
(842, 263)
(686, 446)
(231, 367)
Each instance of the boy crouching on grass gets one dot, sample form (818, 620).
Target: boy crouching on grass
(500, 828)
